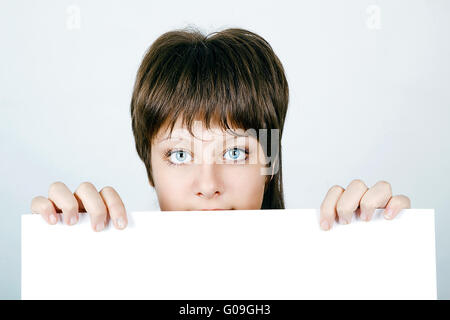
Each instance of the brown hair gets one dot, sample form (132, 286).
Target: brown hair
(231, 78)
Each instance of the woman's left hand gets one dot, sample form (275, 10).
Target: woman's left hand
(340, 204)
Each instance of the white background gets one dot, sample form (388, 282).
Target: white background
(367, 100)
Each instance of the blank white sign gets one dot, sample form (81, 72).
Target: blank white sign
(241, 254)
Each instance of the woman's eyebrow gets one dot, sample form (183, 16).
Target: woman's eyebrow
(171, 138)
(229, 137)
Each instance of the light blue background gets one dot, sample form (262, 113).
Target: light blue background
(365, 103)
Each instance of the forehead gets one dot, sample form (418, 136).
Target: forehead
(199, 130)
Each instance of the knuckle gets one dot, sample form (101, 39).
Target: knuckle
(107, 189)
(42, 205)
(407, 200)
(385, 184)
(85, 185)
(358, 182)
(55, 185)
(401, 199)
(336, 188)
(33, 202)
(36, 205)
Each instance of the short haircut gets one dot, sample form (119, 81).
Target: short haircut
(230, 78)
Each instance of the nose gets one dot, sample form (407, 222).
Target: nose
(208, 184)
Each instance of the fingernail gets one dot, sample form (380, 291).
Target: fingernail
(53, 219)
(343, 221)
(100, 226)
(388, 213)
(325, 225)
(120, 223)
(73, 220)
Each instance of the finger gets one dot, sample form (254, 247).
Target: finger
(63, 198)
(44, 207)
(328, 207)
(395, 205)
(115, 207)
(376, 197)
(349, 200)
(94, 205)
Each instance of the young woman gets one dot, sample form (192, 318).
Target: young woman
(206, 111)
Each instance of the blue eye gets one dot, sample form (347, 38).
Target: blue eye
(179, 157)
(236, 154)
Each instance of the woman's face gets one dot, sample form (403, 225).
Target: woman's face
(213, 170)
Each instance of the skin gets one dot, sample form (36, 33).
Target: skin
(340, 204)
(209, 178)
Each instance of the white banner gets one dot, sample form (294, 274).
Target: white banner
(240, 254)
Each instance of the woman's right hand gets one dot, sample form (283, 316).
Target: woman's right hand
(101, 206)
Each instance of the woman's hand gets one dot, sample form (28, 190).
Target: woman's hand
(340, 204)
(101, 206)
